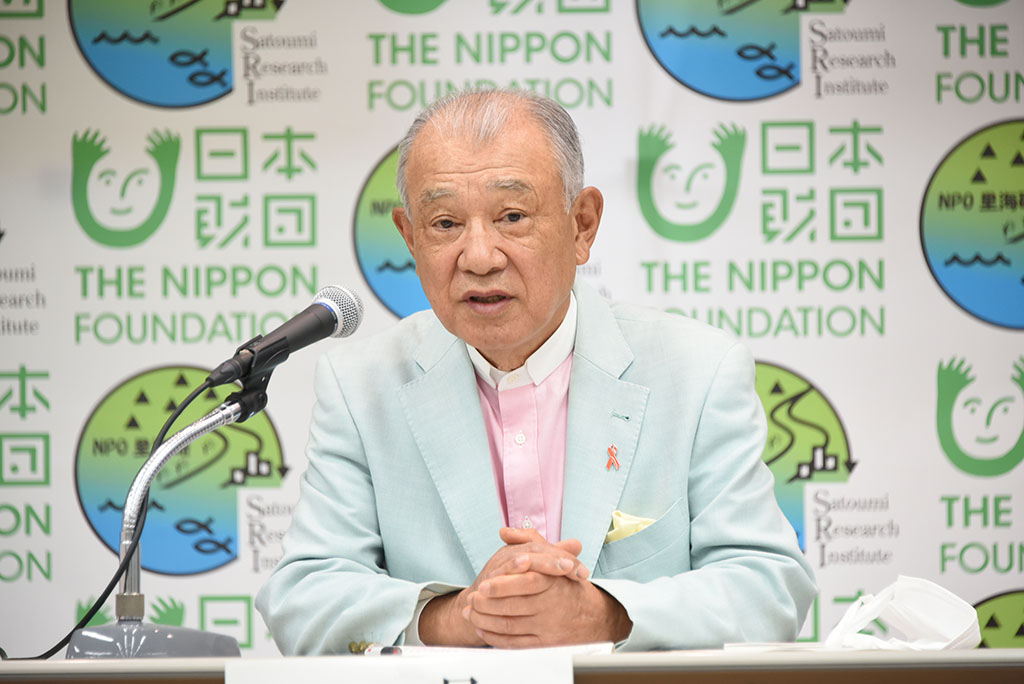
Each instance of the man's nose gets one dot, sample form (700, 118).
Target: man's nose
(481, 249)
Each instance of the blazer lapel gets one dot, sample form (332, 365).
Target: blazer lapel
(605, 417)
(443, 411)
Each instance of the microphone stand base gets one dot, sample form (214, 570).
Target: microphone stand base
(134, 639)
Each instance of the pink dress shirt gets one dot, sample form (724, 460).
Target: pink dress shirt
(525, 411)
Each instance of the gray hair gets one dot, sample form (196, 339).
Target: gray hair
(483, 115)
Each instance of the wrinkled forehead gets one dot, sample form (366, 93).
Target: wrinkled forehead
(499, 185)
(517, 159)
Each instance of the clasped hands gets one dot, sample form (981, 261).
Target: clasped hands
(530, 593)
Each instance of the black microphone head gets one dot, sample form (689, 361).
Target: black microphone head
(346, 306)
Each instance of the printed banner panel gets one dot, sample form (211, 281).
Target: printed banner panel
(840, 185)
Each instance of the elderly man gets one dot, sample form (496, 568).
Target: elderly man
(526, 464)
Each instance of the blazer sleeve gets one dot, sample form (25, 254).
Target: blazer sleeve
(748, 580)
(331, 588)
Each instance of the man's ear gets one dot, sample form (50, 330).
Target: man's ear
(404, 225)
(587, 210)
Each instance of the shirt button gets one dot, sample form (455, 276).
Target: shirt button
(527, 523)
(513, 378)
(520, 439)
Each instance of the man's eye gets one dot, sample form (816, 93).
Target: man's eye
(445, 223)
(513, 217)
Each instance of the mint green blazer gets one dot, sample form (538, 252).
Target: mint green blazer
(399, 495)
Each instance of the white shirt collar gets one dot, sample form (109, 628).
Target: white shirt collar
(541, 363)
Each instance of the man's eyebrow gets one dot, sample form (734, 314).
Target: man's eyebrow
(433, 194)
(513, 184)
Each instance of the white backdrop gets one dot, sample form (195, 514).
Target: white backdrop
(840, 186)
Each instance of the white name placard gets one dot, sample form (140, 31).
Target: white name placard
(541, 666)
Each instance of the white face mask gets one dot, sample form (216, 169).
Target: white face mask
(923, 614)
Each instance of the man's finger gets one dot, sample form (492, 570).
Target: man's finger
(573, 546)
(512, 565)
(510, 641)
(558, 566)
(551, 561)
(512, 606)
(518, 563)
(546, 557)
(513, 625)
(525, 584)
(517, 535)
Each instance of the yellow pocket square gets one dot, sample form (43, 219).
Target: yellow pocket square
(624, 524)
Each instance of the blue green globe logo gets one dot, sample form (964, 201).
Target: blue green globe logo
(728, 51)
(192, 522)
(383, 257)
(972, 224)
(166, 54)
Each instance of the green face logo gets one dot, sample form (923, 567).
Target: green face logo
(1001, 619)
(982, 434)
(686, 198)
(121, 206)
(412, 6)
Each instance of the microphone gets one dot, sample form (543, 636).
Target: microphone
(335, 312)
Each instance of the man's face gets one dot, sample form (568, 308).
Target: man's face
(495, 249)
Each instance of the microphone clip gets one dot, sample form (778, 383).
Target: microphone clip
(252, 398)
(251, 358)
(254, 364)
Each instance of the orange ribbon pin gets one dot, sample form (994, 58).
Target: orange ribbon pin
(612, 461)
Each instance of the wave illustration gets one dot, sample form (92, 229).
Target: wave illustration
(109, 505)
(692, 31)
(104, 37)
(978, 259)
(388, 266)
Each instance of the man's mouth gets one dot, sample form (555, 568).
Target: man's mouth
(488, 299)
